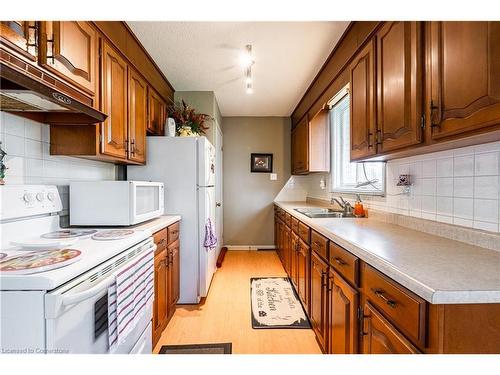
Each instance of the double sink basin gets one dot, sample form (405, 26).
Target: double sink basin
(315, 213)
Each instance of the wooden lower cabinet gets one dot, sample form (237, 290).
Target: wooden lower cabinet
(381, 337)
(355, 308)
(318, 304)
(303, 273)
(166, 277)
(342, 316)
(160, 301)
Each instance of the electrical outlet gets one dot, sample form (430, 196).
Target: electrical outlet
(273, 176)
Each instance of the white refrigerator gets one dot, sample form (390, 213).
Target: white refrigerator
(186, 166)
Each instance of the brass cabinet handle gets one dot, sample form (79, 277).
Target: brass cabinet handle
(132, 147)
(339, 261)
(370, 144)
(381, 294)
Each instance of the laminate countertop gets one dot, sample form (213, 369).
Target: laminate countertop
(157, 224)
(440, 270)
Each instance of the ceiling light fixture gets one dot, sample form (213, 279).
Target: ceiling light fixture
(247, 62)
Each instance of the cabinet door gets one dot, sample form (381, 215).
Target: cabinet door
(319, 142)
(342, 319)
(286, 255)
(173, 279)
(303, 272)
(465, 77)
(137, 116)
(362, 103)
(294, 248)
(160, 301)
(69, 49)
(157, 113)
(381, 337)
(399, 85)
(22, 36)
(114, 103)
(318, 302)
(300, 147)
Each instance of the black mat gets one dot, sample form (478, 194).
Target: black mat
(275, 304)
(219, 348)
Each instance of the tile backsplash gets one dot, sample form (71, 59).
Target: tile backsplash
(29, 161)
(460, 187)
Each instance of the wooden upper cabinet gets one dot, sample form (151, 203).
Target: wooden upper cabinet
(138, 116)
(362, 103)
(157, 113)
(114, 103)
(22, 36)
(300, 147)
(70, 50)
(319, 297)
(342, 316)
(399, 85)
(465, 77)
(381, 337)
(319, 142)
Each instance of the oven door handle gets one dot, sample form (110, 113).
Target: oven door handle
(86, 294)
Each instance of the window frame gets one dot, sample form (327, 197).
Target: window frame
(335, 185)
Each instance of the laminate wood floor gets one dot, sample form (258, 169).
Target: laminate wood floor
(225, 315)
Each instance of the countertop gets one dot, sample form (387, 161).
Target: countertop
(440, 270)
(157, 224)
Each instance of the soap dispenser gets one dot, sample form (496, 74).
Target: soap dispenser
(358, 207)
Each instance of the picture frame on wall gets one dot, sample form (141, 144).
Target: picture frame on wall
(261, 163)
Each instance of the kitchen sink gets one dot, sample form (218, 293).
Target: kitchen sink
(315, 213)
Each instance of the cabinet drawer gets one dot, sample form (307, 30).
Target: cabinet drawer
(319, 244)
(304, 233)
(295, 225)
(344, 263)
(160, 239)
(173, 232)
(405, 309)
(288, 219)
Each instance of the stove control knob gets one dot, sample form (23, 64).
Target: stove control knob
(51, 196)
(40, 197)
(28, 197)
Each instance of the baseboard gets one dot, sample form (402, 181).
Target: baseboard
(249, 247)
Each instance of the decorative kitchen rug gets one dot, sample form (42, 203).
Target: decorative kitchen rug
(219, 348)
(275, 304)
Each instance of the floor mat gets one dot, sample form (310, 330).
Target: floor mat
(219, 348)
(275, 304)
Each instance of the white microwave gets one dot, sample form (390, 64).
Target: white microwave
(113, 203)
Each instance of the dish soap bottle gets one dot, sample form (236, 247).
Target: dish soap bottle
(358, 207)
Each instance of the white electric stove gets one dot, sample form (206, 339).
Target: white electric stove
(54, 281)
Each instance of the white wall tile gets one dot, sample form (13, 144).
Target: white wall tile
(429, 168)
(14, 125)
(429, 186)
(486, 164)
(486, 187)
(444, 167)
(462, 222)
(486, 210)
(463, 187)
(463, 165)
(463, 208)
(33, 149)
(32, 130)
(429, 205)
(444, 206)
(492, 227)
(444, 187)
(14, 145)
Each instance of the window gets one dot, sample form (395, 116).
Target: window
(347, 177)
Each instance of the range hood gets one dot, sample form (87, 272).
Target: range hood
(30, 98)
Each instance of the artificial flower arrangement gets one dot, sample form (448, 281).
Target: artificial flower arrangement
(188, 123)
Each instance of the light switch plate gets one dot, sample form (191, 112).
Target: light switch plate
(273, 176)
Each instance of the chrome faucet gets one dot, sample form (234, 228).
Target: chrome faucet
(345, 205)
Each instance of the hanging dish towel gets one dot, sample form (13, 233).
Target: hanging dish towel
(129, 297)
(210, 237)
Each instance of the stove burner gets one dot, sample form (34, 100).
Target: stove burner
(69, 233)
(39, 261)
(112, 234)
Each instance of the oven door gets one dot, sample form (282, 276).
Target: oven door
(146, 201)
(77, 313)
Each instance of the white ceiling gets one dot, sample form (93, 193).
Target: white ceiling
(204, 56)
